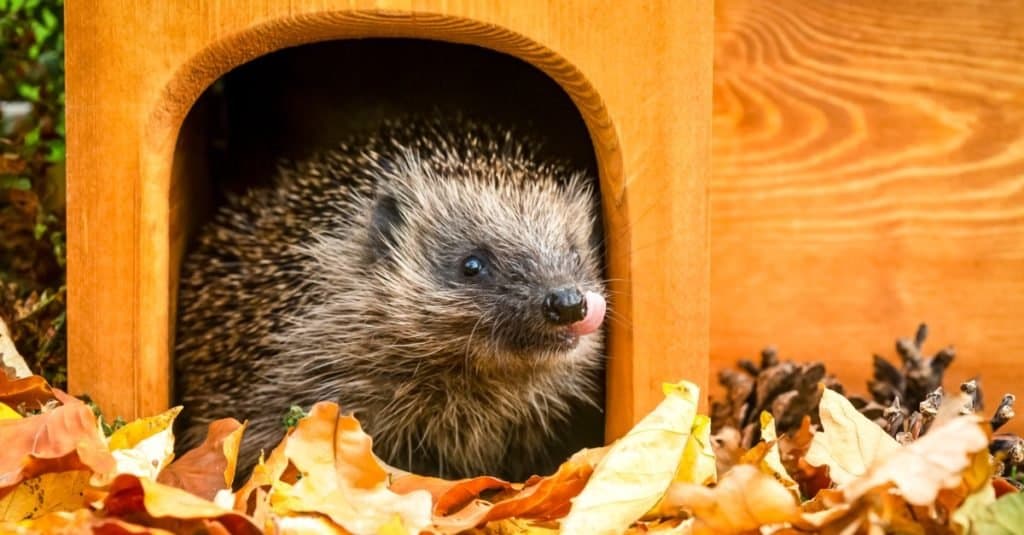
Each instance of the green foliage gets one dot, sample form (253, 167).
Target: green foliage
(32, 149)
(292, 417)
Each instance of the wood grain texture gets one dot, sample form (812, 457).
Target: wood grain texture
(134, 72)
(869, 175)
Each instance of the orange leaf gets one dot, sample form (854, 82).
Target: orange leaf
(65, 438)
(543, 498)
(743, 500)
(32, 392)
(210, 466)
(325, 439)
(449, 495)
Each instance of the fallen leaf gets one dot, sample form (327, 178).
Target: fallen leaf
(7, 413)
(130, 434)
(341, 479)
(210, 467)
(849, 443)
(31, 392)
(81, 521)
(744, 500)
(698, 464)
(765, 455)
(47, 493)
(638, 468)
(449, 496)
(792, 448)
(165, 507)
(541, 499)
(65, 438)
(936, 461)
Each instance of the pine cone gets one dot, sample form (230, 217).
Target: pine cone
(904, 401)
(787, 390)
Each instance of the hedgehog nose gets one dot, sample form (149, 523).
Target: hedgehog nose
(565, 306)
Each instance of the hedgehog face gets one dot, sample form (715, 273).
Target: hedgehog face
(505, 271)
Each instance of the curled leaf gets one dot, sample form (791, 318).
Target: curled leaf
(638, 468)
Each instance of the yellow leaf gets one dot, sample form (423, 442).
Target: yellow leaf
(849, 442)
(7, 413)
(698, 463)
(638, 468)
(767, 457)
(134, 432)
(55, 491)
(697, 466)
(744, 500)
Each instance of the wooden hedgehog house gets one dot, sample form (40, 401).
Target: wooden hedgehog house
(638, 75)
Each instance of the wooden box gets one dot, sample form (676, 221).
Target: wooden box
(639, 73)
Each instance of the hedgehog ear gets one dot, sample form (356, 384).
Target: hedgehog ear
(384, 223)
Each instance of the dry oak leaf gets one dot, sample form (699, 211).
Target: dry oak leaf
(938, 460)
(744, 500)
(65, 438)
(541, 499)
(341, 478)
(849, 443)
(638, 468)
(149, 503)
(209, 467)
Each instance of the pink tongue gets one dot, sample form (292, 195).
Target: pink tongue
(595, 315)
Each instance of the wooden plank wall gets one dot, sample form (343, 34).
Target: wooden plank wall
(869, 175)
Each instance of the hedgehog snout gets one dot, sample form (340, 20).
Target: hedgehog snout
(565, 306)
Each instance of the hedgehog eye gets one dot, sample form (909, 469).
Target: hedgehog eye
(472, 266)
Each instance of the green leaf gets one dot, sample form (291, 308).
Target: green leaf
(41, 32)
(49, 19)
(1003, 517)
(28, 92)
(16, 5)
(32, 137)
(15, 182)
(57, 151)
(39, 230)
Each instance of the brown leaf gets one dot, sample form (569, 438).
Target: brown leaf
(542, 498)
(210, 466)
(152, 504)
(31, 392)
(62, 439)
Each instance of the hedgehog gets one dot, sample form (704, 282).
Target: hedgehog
(439, 279)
